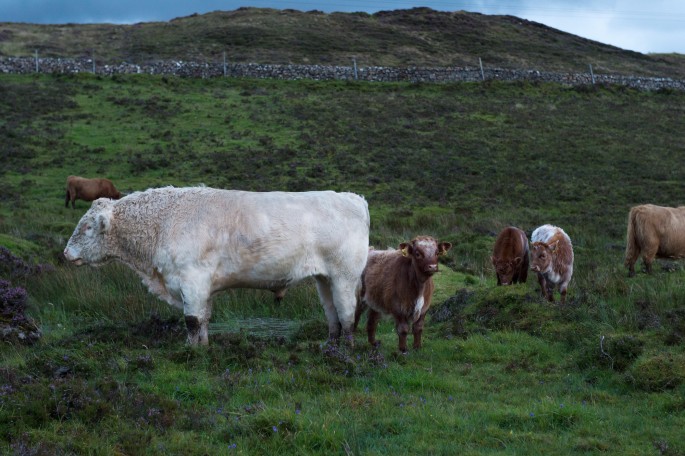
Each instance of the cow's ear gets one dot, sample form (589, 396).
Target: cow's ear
(517, 261)
(103, 222)
(443, 247)
(553, 246)
(405, 248)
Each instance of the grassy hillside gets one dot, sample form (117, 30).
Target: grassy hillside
(502, 371)
(417, 37)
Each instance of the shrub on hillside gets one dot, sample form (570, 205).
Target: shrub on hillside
(658, 370)
(15, 327)
(12, 266)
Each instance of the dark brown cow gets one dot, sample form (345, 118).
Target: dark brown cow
(654, 232)
(510, 256)
(400, 283)
(89, 190)
(552, 259)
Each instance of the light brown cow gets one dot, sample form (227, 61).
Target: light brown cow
(510, 256)
(654, 232)
(552, 259)
(400, 283)
(89, 190)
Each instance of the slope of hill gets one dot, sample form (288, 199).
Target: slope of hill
(416, 37)
(502, 370)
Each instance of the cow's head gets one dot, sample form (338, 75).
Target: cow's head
(88, 244)
(505, 269)
(424, 252)
(541, 256)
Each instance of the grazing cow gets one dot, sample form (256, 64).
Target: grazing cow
(552, 259)
(654, 232)
(510, 256)
(189, 243)
(89, 190)
(400, 283)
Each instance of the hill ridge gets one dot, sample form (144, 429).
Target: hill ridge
(413, 37)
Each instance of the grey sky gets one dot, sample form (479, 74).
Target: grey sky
(653, 26)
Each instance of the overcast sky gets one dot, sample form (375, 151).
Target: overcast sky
(638, 25)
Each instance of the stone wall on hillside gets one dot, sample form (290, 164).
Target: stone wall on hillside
(24, 65)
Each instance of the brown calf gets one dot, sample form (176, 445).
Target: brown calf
(510, 256)
(654, 232)
(399, 283)
(552, 259)
(89, 190)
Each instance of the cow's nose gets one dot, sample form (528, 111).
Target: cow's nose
(432, 268)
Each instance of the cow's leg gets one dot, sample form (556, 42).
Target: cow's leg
(648, 260)
(525, 266)
(522, 275)
(417, 330)
(344, 293)
(631, 268)
(402, 328)
(66, 201)
(371, 326)
(648, 255)
(197, 308)
(323, 286)
(543, 286)
(630, 260)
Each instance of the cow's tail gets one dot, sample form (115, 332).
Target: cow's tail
(632, 246)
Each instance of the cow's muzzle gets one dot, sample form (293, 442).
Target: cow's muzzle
(71, 259)
(431, 269)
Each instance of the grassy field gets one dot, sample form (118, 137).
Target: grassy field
(501, 371)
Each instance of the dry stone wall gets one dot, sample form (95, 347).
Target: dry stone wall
(24, 65)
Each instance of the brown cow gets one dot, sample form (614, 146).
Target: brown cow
(89, 190)
(510, 256)
(400, 283)
(552, 259)
(654, 232)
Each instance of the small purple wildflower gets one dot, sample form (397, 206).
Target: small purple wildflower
(274, 428)
(532, 414)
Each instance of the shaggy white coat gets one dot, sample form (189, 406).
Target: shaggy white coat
(189, 243)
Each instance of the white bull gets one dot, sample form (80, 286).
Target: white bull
(189, 243)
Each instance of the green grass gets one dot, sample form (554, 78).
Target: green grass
(501, 371)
